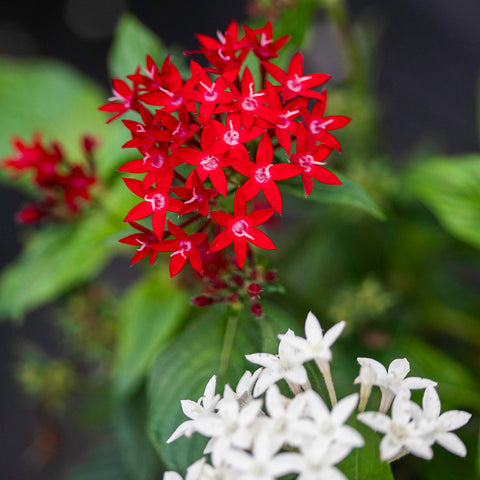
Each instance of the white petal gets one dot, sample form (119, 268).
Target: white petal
(285, 463)
(401, 408)
(191, 409)
(317, 407)
(378, 368)
(454, 419)
(417, 383)
(452, 443)
(431, 403)
(239, 459)
(419, 447)
(313, 329)
(264, 359)
(274, 402)
(399, 367)
(347, 435)
(344, 408)
(186, 428)
(375, 420)
(267, 377)
(297, 375)
(389, 448)
(249, 412)
(172, 476)
(209, 393)
(333, 333)
(331, 473)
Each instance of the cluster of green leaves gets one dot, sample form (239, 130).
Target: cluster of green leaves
(400, 254)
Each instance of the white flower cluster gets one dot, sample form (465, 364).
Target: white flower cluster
(251, 438)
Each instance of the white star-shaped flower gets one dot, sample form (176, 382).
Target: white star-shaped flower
(195, 410)
(316, 344)
(330, 425)
(439, 426)
(263, 463)
(394, 380)
(402, 432)
(287, 365)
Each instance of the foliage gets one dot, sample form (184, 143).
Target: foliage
(398, 266)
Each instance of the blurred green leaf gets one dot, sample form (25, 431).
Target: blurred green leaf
(54, 260)
(348, 194)
(364, 463)
(61, 257)
(449, 187)
(132, 41)
(130, 428)
(149, 315)
(104, 463)
(182, 372)
(59, 102)
(457, 387)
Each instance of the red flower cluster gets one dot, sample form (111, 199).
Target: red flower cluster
(63, 186)
(218, 133)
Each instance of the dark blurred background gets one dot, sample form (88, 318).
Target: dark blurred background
(424, 74)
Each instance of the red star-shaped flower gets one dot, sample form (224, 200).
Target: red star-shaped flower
(294, 82)
(311, 158)
(263, 174)
(143, 240)
(196, 196)
(240, 229)
(183, 247)
(265, 48)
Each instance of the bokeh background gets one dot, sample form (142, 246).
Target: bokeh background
(424, 73)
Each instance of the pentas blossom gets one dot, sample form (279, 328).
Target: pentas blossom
(268, 435)
(64, 187)
(217, 135)
(394, 380)
(413, 429)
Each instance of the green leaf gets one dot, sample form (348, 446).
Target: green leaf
(136, 451)
(364, 463)
(449, 187)
(59, 102)
(104, 463)
(149, 314)
(132, 41)
(55, 260)
(348, 194)
(61, 257)
(457, 387)
(183, 370)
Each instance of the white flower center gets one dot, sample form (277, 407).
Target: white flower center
(157, 201)
(239, 229)
(209, 162)
(249, 103)
(157, 160)
(185, 246)
(262, 174)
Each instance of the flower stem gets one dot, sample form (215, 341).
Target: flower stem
(327, 376)
(228, 342)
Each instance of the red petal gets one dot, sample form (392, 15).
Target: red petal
(222, 240)
(240, 246)
(176, 264)
(261, 240)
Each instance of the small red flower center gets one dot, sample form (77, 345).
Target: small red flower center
(196, 197)
(209, 162)
(262, 174)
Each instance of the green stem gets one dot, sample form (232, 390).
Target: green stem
(232, 324)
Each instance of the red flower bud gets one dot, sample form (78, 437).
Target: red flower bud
(254, 290)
